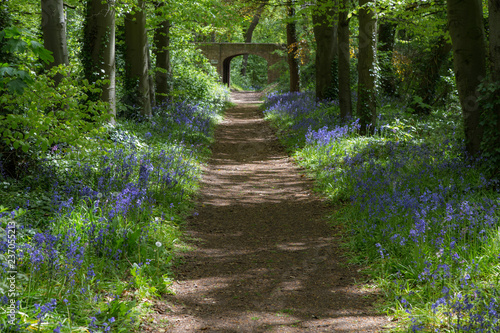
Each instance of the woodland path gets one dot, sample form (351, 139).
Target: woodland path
(264, 258)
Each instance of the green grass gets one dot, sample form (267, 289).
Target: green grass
(419, 214)
(100, 228)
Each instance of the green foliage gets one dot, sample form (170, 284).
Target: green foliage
(84, 249)
(15, 77)
(271, 28)
(142, 283)
(418, 20)
(207, 19)
(307, 76)
(60, 127)
(5, 22)
(256, 73)
(116, 315)
(149, 281)
(195, 80)
(418, 214)
(49, 131)
(44, 115)
(24, 13)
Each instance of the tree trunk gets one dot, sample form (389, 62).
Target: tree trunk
(249, 34)
(494, 22)
(162, 54)
(344, 66)
(465, 23)
(367, 107)
(54, 33)
(151, 79)
(386, 39)
(136, 59)
(292, 47)
(325, 33)
(99, 49)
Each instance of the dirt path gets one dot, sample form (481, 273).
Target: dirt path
(264, 258)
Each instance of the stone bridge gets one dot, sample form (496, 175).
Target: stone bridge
(221, 54)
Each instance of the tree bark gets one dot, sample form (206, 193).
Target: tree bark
(367, 107)
(494, 23)
(325, 33)
(136, 59)
(99, 49)
(344, 65)
(465, 23)
(249, 34)
(292, 47)
(162, 54)
(54, 33)
(151, 79)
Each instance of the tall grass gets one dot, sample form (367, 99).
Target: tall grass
(96, 230)
(419, 212)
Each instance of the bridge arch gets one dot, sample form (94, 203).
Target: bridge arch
(221, 54)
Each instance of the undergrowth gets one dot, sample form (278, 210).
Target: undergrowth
(89, 236)
(420, 214)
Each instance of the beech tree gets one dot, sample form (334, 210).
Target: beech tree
(151, 78)
(494, 23)
(136, 59)
(325, 33)
(465, 23)
(491, 145)
(292, 47)
(162, 54)
(99, 49)
(344, 62)
(367, 109)
(54, 32)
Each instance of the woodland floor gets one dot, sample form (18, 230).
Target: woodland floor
(263, 258)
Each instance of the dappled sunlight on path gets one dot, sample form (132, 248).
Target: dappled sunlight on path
(264, 258)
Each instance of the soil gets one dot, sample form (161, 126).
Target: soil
(264, 257)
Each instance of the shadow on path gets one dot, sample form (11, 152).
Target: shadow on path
(264, 258)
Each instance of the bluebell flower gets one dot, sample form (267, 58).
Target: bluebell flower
(44, 309)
